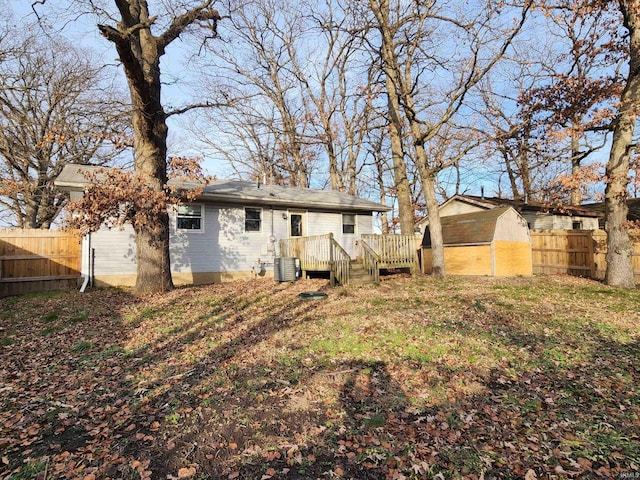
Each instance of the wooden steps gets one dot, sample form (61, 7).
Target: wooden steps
(358, 275)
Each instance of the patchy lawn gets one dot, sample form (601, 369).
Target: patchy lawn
(414, 378)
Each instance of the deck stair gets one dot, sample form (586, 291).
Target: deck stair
(358, 274)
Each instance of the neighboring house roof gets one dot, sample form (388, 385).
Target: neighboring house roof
(632, 203)
(469, 228)
(73, 177)
(521, 206)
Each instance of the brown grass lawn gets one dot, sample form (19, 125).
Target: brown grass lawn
(413, 378)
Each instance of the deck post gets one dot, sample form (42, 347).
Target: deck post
(332, 266)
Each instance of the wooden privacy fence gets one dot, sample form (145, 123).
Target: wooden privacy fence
(38, 261)
(575, 252)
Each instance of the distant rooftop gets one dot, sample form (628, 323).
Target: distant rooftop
(521, 205)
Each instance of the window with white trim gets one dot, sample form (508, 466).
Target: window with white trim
(190, 217)
(348, 223)
(252, 219)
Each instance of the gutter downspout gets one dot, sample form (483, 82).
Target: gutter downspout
(86, 267)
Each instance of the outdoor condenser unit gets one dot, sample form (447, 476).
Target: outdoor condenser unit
(286, 269)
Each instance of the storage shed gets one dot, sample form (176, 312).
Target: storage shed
(492, 242)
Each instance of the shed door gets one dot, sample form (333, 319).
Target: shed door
(296, 224)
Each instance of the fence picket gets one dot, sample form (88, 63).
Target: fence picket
(575, 252)
(34, 260)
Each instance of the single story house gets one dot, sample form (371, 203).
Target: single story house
(537, 215)
(632, 203)
(231, 232)
(494, 242)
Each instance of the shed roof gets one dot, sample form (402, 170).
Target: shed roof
(73, 178)
(469, 228)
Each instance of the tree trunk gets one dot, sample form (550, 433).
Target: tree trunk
(140, 56)
(403, 190)
(576, 194)
(619, 247)
(435, 226)
(152, 252)
(392, 84)
(150, 145)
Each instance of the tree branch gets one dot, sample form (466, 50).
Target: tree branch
(202, 13)
(187, 108)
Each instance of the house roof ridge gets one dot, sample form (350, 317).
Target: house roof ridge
(232, 191)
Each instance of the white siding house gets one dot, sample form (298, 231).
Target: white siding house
(231, 232)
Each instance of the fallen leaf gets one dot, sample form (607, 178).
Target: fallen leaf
(186, 472)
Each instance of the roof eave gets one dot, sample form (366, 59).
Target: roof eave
(246, 199)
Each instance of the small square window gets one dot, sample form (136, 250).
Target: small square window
(577, 225)
(189, 217)
(252, 219)
(348, 223)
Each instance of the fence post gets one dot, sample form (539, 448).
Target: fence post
(590, 254)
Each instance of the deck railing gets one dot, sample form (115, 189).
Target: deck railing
(341, 263)
(394, 251)
(314, 252)
(371, 261)
(319, 253)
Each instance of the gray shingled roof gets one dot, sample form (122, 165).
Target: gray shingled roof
(522, 206)
(468, 228)
(73, 177)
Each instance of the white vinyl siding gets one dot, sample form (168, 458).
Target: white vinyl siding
(114, 251)
(321, 223)
(223, 246)
(558, 222)
(458, 208)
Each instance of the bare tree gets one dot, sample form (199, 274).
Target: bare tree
(55, 108)
(572, 103)
(338, 90)
(257, 69)
(413, 51)
(520, 150)
(141, 39)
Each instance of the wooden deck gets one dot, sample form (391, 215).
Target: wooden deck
(322, 253)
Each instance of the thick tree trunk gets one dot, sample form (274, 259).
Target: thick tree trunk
(152, 251)
(401, 180)
(435, 226)
(152, 240)
(392, 84)
(619, 247)
(140, 56)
